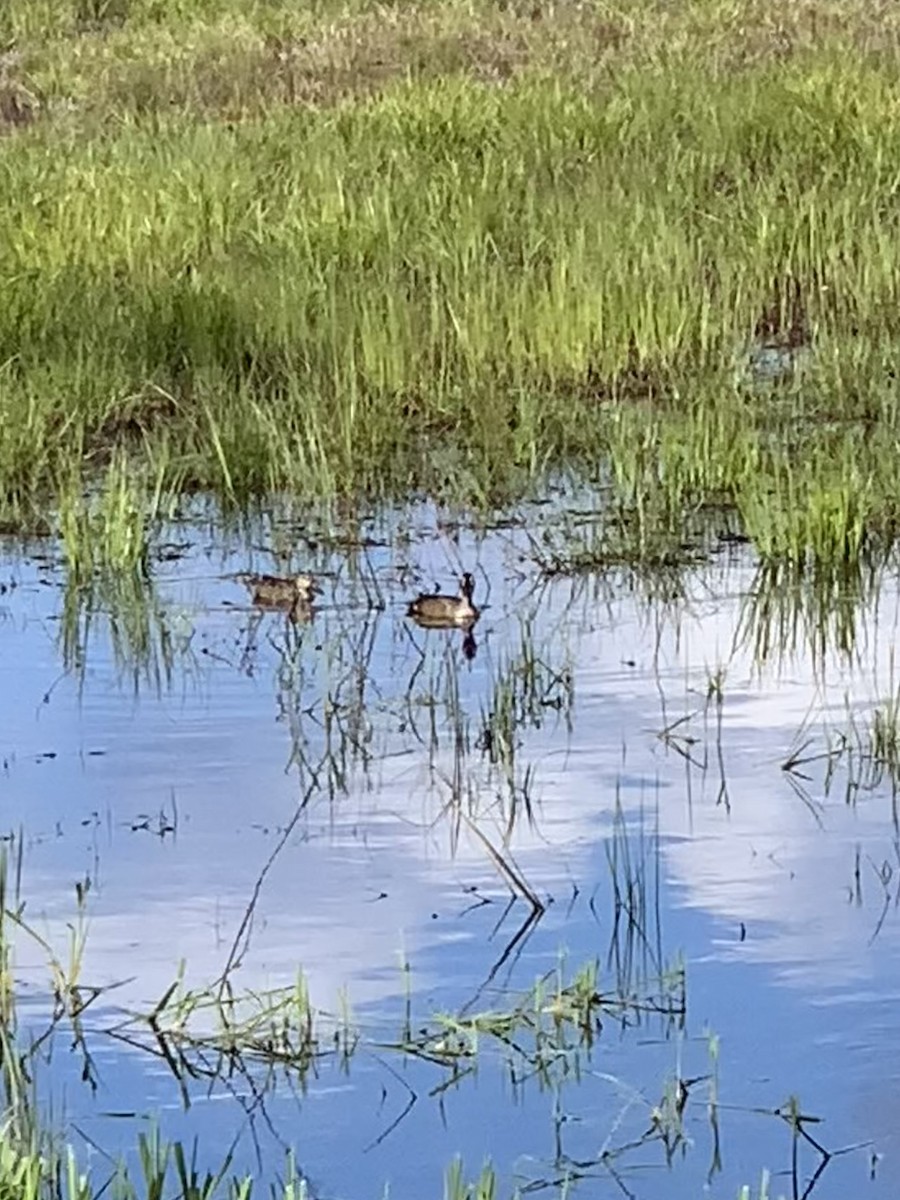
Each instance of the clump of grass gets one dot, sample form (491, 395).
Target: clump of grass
(809, 607)
(526, 690)
(884, 737)
(123, 612)
(54, 1173)
(545, 1029)
(456, 1187)
(107, 530)
(30, 1174)
(809, 513)
(871, 746)
(213, 1032)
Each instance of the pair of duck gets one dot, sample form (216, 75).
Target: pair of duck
(430, 609)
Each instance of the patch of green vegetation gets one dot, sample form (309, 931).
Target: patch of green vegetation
(798, 607)
(526, 690)
(212, 1032)
(544, 1029)
(52, 1173)
(355, 249)
(868, 747)
(124, 610)
(457, 1188)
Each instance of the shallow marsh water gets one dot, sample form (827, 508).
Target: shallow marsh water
(624, 752)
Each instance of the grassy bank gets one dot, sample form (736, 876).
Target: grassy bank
(366, 249)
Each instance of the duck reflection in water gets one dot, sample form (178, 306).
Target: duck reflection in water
(469, 645)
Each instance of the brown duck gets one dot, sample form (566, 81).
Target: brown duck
(279, 592)
(442, 612)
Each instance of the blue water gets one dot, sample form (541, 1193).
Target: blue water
(167, 792)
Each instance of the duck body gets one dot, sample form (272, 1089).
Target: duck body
(442, 612)
(276, 591)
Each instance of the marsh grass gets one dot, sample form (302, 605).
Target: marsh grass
(869, 747)
(635, 956)
(56, 1174)
(810, 607)
(106, 537)
(484, 1187)
(464, 245)
(124, 612)
(545, 1032)
(457, 1188)
(212, 1033)
(527, 690)
(107, 530)
(884, 738)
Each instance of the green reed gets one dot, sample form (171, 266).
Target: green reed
(106, 530)
(456, 1187)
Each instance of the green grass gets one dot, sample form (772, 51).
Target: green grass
(794, 608)
(164, 1168)
(366, 250)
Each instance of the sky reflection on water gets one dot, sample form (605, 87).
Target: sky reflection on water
(779, 895)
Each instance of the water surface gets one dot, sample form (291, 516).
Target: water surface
(346, 798)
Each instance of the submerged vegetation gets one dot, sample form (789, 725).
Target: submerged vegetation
(362, 249)
(215, 1038)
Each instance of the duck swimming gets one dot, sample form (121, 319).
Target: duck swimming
(276, 591)
(443, 612)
